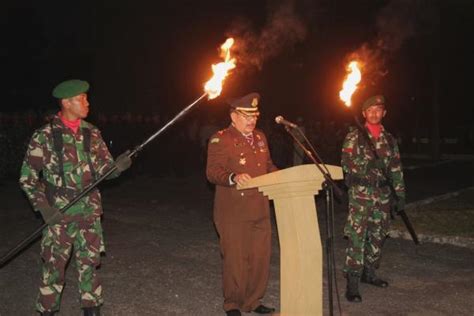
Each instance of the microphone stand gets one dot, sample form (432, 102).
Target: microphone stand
(329, 187)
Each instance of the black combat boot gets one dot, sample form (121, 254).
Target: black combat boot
(92, 311)
(369, 277)
(352, 292)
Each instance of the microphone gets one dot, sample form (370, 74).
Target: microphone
(280, 120)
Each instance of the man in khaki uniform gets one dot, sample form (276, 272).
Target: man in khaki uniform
(242, 218)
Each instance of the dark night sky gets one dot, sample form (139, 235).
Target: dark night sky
(154, 58)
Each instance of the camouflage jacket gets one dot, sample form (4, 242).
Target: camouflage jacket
(41, 178)
(357, 155)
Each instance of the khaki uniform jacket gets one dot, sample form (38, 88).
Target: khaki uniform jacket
(229, 152)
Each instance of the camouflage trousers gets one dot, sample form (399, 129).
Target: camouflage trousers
(367, 227)
(84, 239)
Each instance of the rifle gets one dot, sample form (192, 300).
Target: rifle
(402, 212)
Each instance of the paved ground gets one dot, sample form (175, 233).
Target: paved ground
(163, 256)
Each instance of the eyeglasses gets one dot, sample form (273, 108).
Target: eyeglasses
(248, 117)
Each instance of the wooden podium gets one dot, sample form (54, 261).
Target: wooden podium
(301, 264)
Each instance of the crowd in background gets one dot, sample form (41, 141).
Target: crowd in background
(181, 149)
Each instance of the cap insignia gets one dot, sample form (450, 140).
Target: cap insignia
(254, 102)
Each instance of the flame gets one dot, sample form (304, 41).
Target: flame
(213, 87)
(350, 84)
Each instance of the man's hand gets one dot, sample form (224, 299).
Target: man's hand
(51, 215)
(123, 161)
(242, 178)
(398, 206)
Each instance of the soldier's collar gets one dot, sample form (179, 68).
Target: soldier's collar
(58, 123)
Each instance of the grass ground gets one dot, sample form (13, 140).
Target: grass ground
(450, 217)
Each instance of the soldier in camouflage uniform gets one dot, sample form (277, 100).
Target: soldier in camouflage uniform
(370, 197)
(64, 157)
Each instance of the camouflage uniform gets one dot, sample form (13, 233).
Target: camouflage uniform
(369, 196)
(80, 229)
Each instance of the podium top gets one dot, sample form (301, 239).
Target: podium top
(302, 173)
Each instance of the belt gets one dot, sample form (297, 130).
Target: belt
(53, 192)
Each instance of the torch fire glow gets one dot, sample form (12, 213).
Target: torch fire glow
(350, 84)
(213, 87)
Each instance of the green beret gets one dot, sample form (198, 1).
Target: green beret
(70, 88)
(247, 104)
(375, 100)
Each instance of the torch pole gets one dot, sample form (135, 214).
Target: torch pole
(171, 122)
(28, 240)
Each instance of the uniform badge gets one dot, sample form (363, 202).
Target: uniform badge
(242, 161)
(254, 102)
(214, 140)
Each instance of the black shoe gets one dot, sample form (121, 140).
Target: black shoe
(352, 291)
(48, 313)
(369, 277)
(262, 309)
(233, 312)
(353, 298)
(92, 311)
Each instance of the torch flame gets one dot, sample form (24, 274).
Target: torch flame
(213, 87)
(350, 84)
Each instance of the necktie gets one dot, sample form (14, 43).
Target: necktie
(249, 138)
